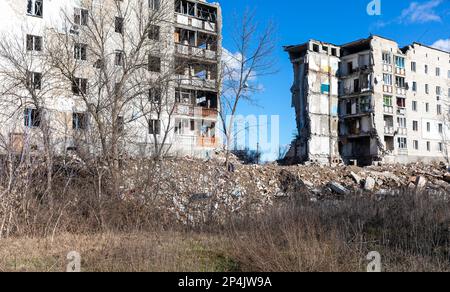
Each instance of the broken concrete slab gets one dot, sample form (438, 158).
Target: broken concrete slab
(369, 184)
(338, 188)
(356, 177)
(421, 182)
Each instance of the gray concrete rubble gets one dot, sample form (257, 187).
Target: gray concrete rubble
(200, 191)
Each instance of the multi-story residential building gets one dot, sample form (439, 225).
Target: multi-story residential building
(185, 43)
(393, 102)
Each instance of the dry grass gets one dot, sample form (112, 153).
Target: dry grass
(411, 231)
(158, 251)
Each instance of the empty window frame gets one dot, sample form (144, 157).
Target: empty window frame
(402, 143)
(119, 58)
(80, 52)
(154, 95)
(154, 32)
(79, 121)
(34, 80)
(35, 8)
(34, 43)
(32, 118)
(400, 82)
(154, 64)
(79, 86)
(154, 4)
(387, 59)
(119, 24)
(81, 16)
(401, 102)
(154, 127)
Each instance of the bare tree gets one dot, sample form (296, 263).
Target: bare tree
(27, 86)
(113, 87)
(252, 58)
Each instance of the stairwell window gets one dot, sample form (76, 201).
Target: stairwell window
(35, 8)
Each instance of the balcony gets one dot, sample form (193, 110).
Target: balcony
(193, 81)
(195, 22)
(402, 131)
(207, 142)
(195, 111)
(400, 71)
(196, 52)
(400, 91)
(389, 131)
(387, 68)
(388, 109)
(401, 111)
(388, 88)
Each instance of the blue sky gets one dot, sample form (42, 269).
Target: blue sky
(339, 22)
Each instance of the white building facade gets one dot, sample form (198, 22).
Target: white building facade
(186, 39)
(393, 102)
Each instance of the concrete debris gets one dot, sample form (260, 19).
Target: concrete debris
(356, 177)
(338, 188)
(198, 191)
(421, 182)
(369, 184)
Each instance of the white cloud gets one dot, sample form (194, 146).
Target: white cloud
(442, 45)
(416, 13)
(421, 12)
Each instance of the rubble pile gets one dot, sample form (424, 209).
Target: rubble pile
(199, 191)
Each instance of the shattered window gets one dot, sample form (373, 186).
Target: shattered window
(35, 7)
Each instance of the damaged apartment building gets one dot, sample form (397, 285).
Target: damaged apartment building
(370, 101)
(188, 41)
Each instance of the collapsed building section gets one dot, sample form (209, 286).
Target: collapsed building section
(315, 99)
(386, 110)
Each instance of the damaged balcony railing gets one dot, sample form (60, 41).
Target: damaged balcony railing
(388, 109)
(196, 22)
(389, 130)
(195, 52)
(195, 81)
(206, 141)
(195, 111)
